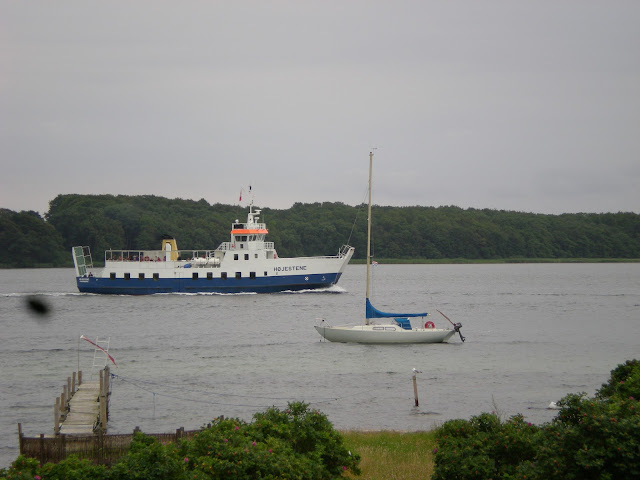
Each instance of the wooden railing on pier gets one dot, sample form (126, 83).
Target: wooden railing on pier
(80, 426)
(83, 408)
(99, 447)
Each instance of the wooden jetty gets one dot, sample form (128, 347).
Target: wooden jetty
(80, 426)
(82, 410)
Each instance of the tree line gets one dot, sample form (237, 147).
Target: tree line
(398, 233)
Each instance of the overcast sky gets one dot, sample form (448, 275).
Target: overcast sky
(518, 105)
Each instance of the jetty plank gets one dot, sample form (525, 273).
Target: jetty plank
(84, 409)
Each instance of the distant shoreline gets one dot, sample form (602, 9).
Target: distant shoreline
(454, 261)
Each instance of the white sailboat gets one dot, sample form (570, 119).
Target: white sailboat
(400, 330)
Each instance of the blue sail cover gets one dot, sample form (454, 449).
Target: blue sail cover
(373, 312)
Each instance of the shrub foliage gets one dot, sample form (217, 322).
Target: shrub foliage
(590, 438)
(296, 443)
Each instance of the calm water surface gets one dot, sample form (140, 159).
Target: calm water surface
(535, 332)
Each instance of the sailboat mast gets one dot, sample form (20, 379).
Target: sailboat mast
(369, 229)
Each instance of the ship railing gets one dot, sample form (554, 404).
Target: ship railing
(343, 252)
(156, 255)
(125, 255)
(224, 246)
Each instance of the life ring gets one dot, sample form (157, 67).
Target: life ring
(429, 324)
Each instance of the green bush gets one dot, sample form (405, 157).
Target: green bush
(22, 469)
(623, 383)
(294, 443)
(73, 468)
(147, 459)
(590, 438)
(297, 443)
(483, 447)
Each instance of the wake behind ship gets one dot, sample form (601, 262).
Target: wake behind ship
(247, 263)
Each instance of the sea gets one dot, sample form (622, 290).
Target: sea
(534, 333)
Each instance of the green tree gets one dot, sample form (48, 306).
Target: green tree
(26, 240)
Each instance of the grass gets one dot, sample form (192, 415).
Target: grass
(392, 455)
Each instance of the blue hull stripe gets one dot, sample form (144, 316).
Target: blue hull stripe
(134, 286)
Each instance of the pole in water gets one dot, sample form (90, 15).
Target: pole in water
(415, 391)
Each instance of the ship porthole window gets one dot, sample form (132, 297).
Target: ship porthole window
(209, 275)
(112, 276)
(156, 276)
(194, 275)
(238, 275)
(127, 276)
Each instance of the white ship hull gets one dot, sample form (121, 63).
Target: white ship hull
(245, 264)
(383, 334)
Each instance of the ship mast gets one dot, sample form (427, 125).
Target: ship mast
(369, 230)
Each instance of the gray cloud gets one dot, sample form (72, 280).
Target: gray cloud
(531, 106)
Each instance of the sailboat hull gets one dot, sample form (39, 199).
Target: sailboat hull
(402, 332)
(383, 334)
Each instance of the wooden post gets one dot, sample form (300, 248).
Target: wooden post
(69, 387)
(42, 458)
(20, 441)
(63, 405)
(99, 439)
(106, 382)
(103, 413)
(62, 447)
(56, 417)
(415, 390)
(73, 383)
(79, 377)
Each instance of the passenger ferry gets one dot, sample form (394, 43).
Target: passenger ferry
(247, 263)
